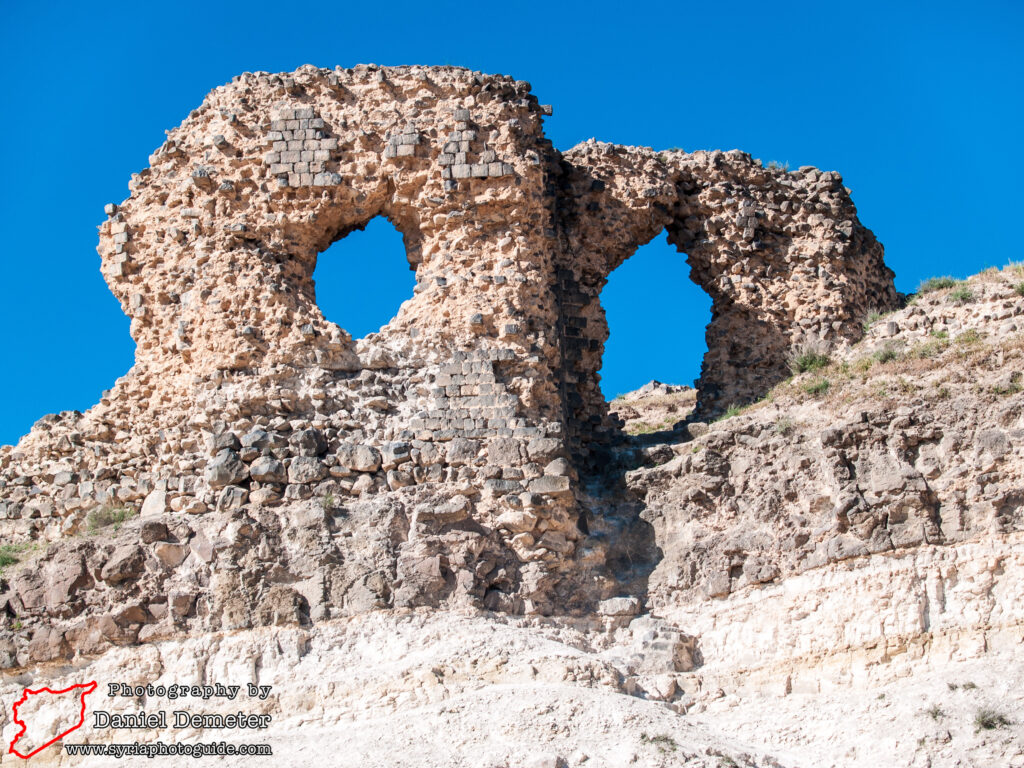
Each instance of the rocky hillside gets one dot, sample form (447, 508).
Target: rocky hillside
(828, 577)
(439, 545)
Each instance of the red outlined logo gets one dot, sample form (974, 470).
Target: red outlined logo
(87, 688)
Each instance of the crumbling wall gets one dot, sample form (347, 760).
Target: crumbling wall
(482, 394)
(781, 254)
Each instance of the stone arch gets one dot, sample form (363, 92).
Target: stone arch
(656, 316)
(361, 280)
(486, 381)
(271, 169)
(781, 255)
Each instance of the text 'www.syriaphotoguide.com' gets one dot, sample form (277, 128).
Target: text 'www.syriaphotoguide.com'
(160, 749)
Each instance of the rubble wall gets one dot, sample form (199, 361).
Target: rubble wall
(438, 460)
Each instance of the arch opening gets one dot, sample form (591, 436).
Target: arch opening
(362, 278)
(657, 319)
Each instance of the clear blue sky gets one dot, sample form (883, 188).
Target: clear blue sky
(918, 105)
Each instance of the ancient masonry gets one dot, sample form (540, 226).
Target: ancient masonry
(469, 420)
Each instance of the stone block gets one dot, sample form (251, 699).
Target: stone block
(226, 469)
(361, 458)
(552, 485)
(310, 442)
(395, 453)
(517, 520)
(155, 504)
(306, 469)
(504, 452)
(619, 606)
(267, 469)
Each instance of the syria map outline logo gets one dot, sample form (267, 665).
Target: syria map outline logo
(87, 688)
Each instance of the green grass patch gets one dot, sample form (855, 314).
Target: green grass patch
(969, 338)
(937, 284)
(12, 554)
(873, 317)
(863, 364)
(1012, 386)
(807, 362)
(929, 349)
(732, 410)
(818, 387)
(7, 557)
(663, 742)
(1019, 289)
(961, 295)
(102, 518)
(887, 354)
(646, 428)
(988, 719)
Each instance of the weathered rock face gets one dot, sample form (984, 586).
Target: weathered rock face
(454, 440)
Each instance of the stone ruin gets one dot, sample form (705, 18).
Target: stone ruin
(445, 456)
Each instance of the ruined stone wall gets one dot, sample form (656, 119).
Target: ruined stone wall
(781, 254)
(467, 417)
